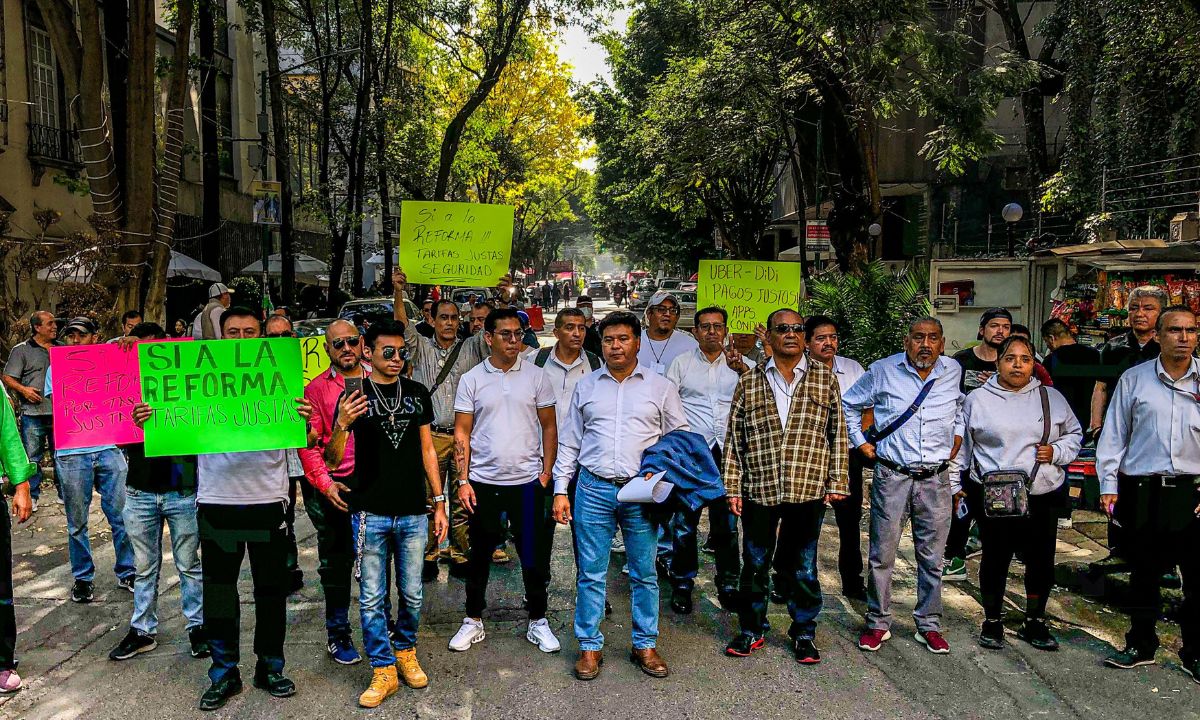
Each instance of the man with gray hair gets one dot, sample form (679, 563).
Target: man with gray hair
(916, 399)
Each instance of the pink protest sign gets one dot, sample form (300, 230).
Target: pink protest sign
(94, 390)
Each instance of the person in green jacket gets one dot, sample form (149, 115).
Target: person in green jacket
(15, 465)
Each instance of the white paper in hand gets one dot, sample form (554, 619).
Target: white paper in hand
(646, 490)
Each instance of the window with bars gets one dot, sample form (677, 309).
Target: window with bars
(43, 76)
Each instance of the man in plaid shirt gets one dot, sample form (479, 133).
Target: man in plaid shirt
(785, 457)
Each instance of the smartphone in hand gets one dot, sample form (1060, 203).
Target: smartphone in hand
(353, 385)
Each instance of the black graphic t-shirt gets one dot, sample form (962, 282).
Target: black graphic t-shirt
(389, 474)
(976, 372)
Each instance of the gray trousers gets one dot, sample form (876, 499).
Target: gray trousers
(895, 497)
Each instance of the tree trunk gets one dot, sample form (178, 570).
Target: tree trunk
(283, 155)
(210, 162)
(1033, 104)
(168, 184)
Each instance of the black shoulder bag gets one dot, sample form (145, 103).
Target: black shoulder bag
(446, 368)
(1006, 492)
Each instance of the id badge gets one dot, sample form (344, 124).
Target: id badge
(660, 368)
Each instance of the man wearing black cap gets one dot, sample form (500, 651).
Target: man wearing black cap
(978, 364)
(207, 325)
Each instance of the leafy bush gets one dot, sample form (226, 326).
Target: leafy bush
(872, 307)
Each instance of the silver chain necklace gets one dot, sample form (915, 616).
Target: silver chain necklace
(390, 408)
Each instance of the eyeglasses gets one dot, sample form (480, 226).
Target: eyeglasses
(391, 352)
(444, 318)
(665, 311)
(711, 327)
(285, 333)
(784, 329)
(340, 343)
(508, 335)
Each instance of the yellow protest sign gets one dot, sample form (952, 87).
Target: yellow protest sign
(313, 356)
(748, 290)
(444, 243)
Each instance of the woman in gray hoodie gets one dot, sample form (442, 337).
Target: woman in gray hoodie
(1002, 430)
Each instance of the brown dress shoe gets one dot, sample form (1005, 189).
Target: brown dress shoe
(650, 662)
(587, 667)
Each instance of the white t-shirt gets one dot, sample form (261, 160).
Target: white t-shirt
(659, 354)
(506, 437)
(242, 478)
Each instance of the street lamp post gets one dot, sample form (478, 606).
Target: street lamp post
(1012, 213)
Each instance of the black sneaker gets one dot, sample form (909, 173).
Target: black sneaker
(681, 602)
(429, 571)
(458, 570)
(1036, 633)
(134, 644)
(275, 684)
(743, 645)
(126, 583)
(82, 592)
(198, 639)
(728, 599)
(1130, 657)
(806, 651)
(219, 692)
(991, 635)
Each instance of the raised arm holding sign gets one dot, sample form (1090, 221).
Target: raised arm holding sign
(455, 243)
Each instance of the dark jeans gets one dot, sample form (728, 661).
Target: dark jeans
(797, 527)
(1162, 530)
(1034, 536)
(960, 527)
(8, 615)
(722, 536)
(848, 514)
(293, 553)
(525, 506)
(335, 553)
(227, 534)
(37, 435)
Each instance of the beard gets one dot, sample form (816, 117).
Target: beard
(922, 364)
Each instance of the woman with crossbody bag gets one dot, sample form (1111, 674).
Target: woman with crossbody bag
(1018, 437)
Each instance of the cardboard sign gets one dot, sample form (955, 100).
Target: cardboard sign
(458, 244)
(94, 388)
(313, 357)
(222, 396)
(748, 290)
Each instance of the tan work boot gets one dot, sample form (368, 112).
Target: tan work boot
(382, 685)
(410, 670)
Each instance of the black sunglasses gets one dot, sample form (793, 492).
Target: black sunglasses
(286, 333)
(390, 352)
(340, 343)
(784, 329)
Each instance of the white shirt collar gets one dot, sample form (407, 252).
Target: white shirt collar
(572, 366)
(1193, 371)
(489, 367)
(802, 366)
(637, 372)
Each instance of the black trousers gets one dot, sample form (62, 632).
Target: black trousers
(848, 514)
(525, 508)
(8, 615)
(1033, 536)
(960, 527)
(227, 534)
(293, 554)
(1161, 530)
(722, 536)
(335, 553)
(789, 533)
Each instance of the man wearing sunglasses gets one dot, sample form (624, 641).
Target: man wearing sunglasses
(506, 439)
(785, 457)
(322, 493)
(438, 364)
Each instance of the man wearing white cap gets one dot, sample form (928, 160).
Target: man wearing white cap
(661, 343)
(207, 325)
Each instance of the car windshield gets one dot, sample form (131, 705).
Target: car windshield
(646, 285)
(367, 308)
(670, 284)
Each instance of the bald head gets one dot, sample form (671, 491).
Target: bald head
(344, 346)
(279, 326)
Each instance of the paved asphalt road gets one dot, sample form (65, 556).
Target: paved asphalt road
(63, 650)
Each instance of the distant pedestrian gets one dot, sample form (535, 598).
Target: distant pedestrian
(555, 294)
(207, 325)
(25, 377)
(916, 399)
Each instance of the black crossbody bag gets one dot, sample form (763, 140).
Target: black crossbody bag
(1006, 492)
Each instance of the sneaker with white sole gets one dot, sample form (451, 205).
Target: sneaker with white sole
(541, 635)
(470, 633)
(10, 681)
(618, 543)
(35, 506)
(1065, 523)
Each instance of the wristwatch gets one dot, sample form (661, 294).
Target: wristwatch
(438, 498)
(463, 482)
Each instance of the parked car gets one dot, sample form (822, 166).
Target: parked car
(598, 290)
(641, 293)
(689, 287)
(460, 296)
(687, 309)
(365, 311)
(311, 328)
(670, 284)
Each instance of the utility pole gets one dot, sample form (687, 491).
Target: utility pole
(210, 164)
(264, 142)
(283, 155)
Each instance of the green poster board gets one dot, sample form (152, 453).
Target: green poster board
(748, 290)
(220, 396)
(459, 244)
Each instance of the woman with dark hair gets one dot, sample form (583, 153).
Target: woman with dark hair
(1006, 429)
(179, 329)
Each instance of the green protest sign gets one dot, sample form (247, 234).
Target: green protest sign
(222, 396)
(444, 243)
(748, 290)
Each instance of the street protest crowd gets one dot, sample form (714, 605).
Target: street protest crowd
(422, 445)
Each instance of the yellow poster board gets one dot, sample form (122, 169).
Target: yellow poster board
(313, 356)
(459, 244)
(749, 290)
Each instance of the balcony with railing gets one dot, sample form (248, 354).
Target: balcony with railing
(53, 146)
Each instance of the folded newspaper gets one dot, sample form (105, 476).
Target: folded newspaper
(642, 489)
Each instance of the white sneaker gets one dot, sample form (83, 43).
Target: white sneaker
(618, 543)
(1064, 523)
(470, 633)
(35, 505)
(541, 635)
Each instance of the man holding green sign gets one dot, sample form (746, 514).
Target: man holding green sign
(242, 395)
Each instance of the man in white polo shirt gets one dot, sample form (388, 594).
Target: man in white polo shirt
(505, 441)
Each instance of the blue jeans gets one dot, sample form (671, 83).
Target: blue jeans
(789, 531)
(103, 470)
(405, 537)
(145, 513)
(37, 435)
(597, 514)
